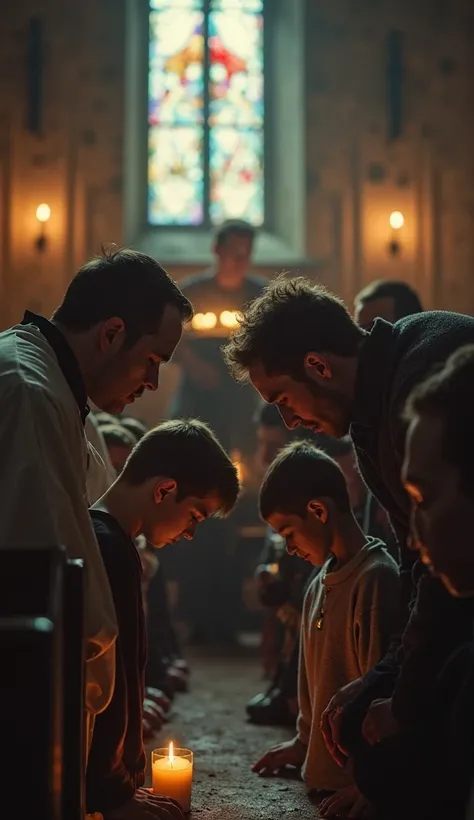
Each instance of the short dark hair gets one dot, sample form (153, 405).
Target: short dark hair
(103, 418)
(116, 436)
(123, 283)
(134, 426)
(405, 299)
(291, 318)
(189, 452)
(268, 415)
(234, 227)
(449, 393)
(299, 473)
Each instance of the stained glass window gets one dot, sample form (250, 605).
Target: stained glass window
(205, 112)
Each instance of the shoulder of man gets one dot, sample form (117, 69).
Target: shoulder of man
(196, 281)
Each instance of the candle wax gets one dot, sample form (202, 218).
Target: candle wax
(173, 779)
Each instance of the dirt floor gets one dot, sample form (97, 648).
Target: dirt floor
(210, 720)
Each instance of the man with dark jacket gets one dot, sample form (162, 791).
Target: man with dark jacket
(301, 349)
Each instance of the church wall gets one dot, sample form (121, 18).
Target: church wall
(355, 175)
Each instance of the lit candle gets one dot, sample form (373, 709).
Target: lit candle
(172, 772)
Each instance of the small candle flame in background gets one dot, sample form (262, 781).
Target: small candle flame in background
(204, 321)
(171, 754)
(229, 319)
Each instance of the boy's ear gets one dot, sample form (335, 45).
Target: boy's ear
(318, 509)
(162, 488)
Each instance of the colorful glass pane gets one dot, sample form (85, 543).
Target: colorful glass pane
(246, 5)
(176, 75)
(237, 182)
(167, 4)
(236, 68)
(175, 176)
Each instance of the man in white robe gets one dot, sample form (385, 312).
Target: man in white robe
(120, 319)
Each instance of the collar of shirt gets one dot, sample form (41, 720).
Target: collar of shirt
(372, 373)
(66, 358)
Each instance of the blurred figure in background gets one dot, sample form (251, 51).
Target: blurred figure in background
(120, 444)
(209, 592)
(391, 300)
(385, 299)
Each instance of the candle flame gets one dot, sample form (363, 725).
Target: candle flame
(204, 321)
(229, 318)
(171, 754)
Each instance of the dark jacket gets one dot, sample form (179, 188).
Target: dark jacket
(393, 359)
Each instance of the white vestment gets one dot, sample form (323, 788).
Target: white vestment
(43, 501)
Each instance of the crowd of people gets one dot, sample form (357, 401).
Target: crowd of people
(366, 575)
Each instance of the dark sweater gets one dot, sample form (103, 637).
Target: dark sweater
(116, 764)
(394, 358)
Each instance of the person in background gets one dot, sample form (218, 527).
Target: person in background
(177, 476)
(120, 319)
(350, 607)
(281, 579)
(390, 300)
(328, 374)
(120, 444)
(134, 426)
(209, 592)
(385, 299)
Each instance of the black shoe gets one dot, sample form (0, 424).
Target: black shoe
(271, 710)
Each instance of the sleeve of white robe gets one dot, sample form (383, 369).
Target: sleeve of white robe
(42, 498)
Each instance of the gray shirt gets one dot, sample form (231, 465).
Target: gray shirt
(360, 603)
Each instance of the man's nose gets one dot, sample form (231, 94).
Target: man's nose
(153, 378)
(290, 420)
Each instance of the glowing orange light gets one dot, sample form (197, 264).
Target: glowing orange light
(229, 319)
(171, 754)
(204, 321)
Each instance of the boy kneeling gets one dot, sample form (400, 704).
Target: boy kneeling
(176, 476)
(350, 608)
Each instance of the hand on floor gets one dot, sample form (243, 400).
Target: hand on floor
(331, 719)
(379, 722)
(291, 753)
(147, 806)
(349, 801)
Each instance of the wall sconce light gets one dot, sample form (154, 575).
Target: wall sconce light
(43, 214)
(396, 221)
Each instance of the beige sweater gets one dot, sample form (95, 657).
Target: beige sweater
(360, 613)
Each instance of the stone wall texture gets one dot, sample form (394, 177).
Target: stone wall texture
(355, 175)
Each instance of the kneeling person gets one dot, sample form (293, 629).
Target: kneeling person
(350, 607)
(177, 476)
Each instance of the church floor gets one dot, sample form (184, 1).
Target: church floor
(210, 720)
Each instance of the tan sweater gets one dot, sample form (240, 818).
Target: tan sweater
(360, 612)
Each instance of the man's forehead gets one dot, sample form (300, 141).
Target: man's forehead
(267, 386)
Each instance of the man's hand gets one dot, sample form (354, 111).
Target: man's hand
(331, 719)
(291, 753)
(147, 806)
(379, 722)
(344, 799)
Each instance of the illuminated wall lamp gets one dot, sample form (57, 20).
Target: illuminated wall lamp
(43, 214)
(396, 221)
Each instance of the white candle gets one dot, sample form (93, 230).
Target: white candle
(172, 772)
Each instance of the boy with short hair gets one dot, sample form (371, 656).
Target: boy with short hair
(350, 607)
(177, 476)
